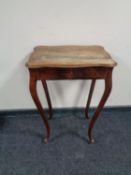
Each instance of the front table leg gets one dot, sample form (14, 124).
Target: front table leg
(33, 91)
(108, 87)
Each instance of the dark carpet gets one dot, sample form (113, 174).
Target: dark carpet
(22, 151)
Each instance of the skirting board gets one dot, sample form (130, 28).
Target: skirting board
(14, 112)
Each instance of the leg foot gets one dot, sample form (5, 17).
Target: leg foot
(45, 140)
(91, 141)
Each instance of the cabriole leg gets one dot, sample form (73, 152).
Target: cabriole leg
(108, 87)
(33, 91)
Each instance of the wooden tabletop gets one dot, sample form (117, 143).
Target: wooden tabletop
(70, 56)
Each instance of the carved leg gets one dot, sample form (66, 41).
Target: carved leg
(47, 97)
(89, 98)
(108, 87)
(33, 91)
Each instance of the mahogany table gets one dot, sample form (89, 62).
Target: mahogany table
(70, 62)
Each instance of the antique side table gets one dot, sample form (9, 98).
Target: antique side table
(70, 62)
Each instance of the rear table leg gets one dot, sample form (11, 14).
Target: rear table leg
(89, 98)
(47, 97)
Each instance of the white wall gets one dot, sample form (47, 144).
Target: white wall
(25, 24)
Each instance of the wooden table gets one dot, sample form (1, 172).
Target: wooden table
(70, 63)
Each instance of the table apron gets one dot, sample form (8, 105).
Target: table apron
(70, 73)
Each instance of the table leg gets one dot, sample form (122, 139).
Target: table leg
(108, 87)
(89, 98)
(47, 97)
(33, 91)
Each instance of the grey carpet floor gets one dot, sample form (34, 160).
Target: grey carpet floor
(22, 151)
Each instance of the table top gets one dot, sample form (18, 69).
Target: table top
(70, 56)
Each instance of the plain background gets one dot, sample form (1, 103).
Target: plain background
(25, 24)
